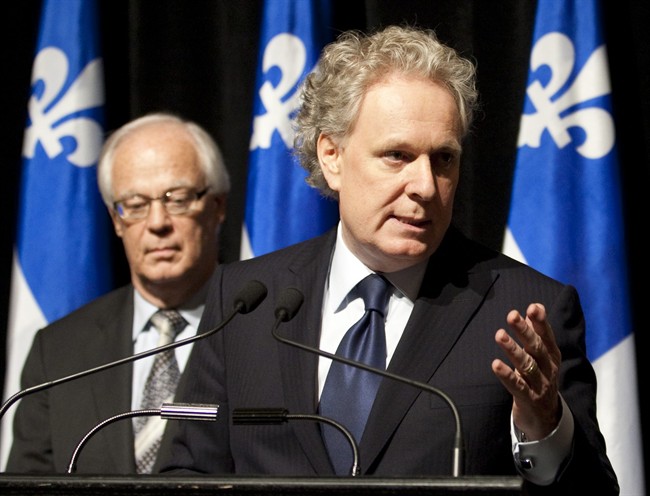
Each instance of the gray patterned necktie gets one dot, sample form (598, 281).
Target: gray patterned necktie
(159, 388)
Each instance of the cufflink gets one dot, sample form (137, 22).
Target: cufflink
(526, 463)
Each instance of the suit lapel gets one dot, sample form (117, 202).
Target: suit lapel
(307, 272)
(111, 391)
(450, 296)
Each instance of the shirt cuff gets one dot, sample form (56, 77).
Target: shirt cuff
(540, 461)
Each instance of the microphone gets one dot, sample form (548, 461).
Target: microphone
(288, 304)
(262, 416)
(168, 411)
(247, 299)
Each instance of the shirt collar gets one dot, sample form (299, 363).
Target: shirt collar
(191, 310)
(346, 271)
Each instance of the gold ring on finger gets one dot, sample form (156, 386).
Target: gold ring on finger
(531, 369)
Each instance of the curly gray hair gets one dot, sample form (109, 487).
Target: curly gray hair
(332, 93)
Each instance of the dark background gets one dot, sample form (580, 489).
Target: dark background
(197, 58)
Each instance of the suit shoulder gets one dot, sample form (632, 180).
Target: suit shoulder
(295, 255)
(103, 308)
(482, 257)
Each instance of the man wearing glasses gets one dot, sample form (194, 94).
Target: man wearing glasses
(165, 185)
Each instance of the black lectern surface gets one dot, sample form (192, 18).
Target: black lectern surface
(145, 485)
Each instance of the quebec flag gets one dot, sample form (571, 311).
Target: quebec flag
(281, 209)
(566, 217)
(62, 252)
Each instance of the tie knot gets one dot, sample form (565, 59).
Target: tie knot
(374, 291)
(169, 323)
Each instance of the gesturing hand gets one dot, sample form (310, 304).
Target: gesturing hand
(533, 382)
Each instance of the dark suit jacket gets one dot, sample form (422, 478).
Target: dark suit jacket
(447, 343)
(48, 425)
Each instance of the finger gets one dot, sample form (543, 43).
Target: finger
(513, 382)
(506, 375)
(531, 332)
(525, 365)
(536, 315)
(531, 371)
(525, 330)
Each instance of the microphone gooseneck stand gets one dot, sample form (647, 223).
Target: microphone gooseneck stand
(262, 416)
(168, 411)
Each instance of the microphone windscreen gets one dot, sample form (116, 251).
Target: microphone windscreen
(289, 303)
(250, 296)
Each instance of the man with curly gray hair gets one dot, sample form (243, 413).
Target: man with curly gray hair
(333, 92)
(380, 129)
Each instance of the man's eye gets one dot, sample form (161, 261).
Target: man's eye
(445, 160)
(178, 199)
(135, 203)
(396, 155)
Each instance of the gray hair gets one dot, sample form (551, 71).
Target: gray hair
(209, 155)
(331, 95)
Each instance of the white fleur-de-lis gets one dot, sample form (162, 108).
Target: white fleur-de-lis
(556, 51)
(286, 52)
(48, 118)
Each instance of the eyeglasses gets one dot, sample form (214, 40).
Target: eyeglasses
(176, 202)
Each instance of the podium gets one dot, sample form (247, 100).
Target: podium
(157, 485)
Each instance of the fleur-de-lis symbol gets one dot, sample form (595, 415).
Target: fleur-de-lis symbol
(48, 118)
(556, 51)
(286, 52)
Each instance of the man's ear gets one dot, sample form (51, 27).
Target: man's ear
(221, 201)
(118, 225)
(329, 156)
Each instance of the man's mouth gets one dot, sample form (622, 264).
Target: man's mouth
(414, 222)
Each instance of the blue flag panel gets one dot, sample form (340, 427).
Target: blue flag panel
(281, 209)
(566, 215)
(62, 253)
(63, 227)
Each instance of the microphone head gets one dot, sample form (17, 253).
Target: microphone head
(288, 304)
(250, 296)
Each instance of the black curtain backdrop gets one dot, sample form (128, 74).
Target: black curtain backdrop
(198, 58)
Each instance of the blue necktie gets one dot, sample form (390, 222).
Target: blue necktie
(349, 392)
